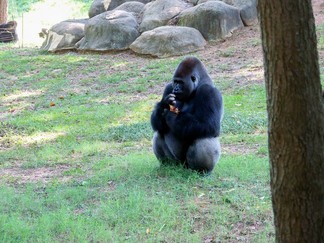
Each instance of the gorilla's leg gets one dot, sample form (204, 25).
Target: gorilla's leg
(160, 148)
(203, 154)
(166, 148)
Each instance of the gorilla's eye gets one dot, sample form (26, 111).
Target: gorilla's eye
(193, 78)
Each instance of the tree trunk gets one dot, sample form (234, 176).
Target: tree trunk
(3, 11)
(295, 119)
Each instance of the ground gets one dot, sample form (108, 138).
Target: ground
(238, 57)
(238, 61)
(318, 8)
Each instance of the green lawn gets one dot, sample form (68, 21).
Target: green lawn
(76, 163)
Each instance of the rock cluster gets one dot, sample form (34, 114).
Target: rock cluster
(8, 32)
(158, 27)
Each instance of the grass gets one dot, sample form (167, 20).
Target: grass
(320, 37)
(76, 163)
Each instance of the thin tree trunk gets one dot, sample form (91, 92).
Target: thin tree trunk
(295, 119)
(3, 11)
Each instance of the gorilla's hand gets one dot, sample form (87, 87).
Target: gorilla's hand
(169, 99)
(170, 118)
(165, 112)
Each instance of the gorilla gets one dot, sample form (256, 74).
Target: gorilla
(186, 122)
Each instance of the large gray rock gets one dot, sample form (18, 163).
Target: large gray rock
(159, 12)
(98, 7)
(111, 30)
(115, 3)
(169, 41)
(193, 2)
(117, 29)
(249, 12)
(133, 7)
(64, 35)
(248, 9)
(214, 19)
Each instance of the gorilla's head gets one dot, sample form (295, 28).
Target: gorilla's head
(188, 76)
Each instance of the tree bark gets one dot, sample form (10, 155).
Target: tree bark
(3, 11)
(295, 119)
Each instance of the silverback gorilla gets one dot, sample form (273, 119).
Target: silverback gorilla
(187, 120)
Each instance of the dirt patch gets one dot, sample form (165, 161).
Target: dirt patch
(232, 58)
(240, 56)
(43, 174)
(240, 149)
(318, 9)
(244, 231)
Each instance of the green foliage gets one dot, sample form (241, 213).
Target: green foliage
(18, 7)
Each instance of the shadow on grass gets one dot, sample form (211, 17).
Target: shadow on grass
(126, 133)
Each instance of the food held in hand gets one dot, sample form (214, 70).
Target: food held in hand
(174, 109)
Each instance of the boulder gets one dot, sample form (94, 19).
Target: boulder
(64, 35)
(132, 7)
(215, 20)
(193, 2)
(8, 32)
(169, 41)
(115, 3)
(248, 9)
(111, 30)
(159, 12)
(116, 24)
(98, 7)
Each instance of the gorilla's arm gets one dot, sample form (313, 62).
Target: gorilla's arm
(157, 118)
(202, 119)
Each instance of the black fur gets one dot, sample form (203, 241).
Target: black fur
(200, 113)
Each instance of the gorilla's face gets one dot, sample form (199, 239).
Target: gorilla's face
(184, 86)
(186, 79)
